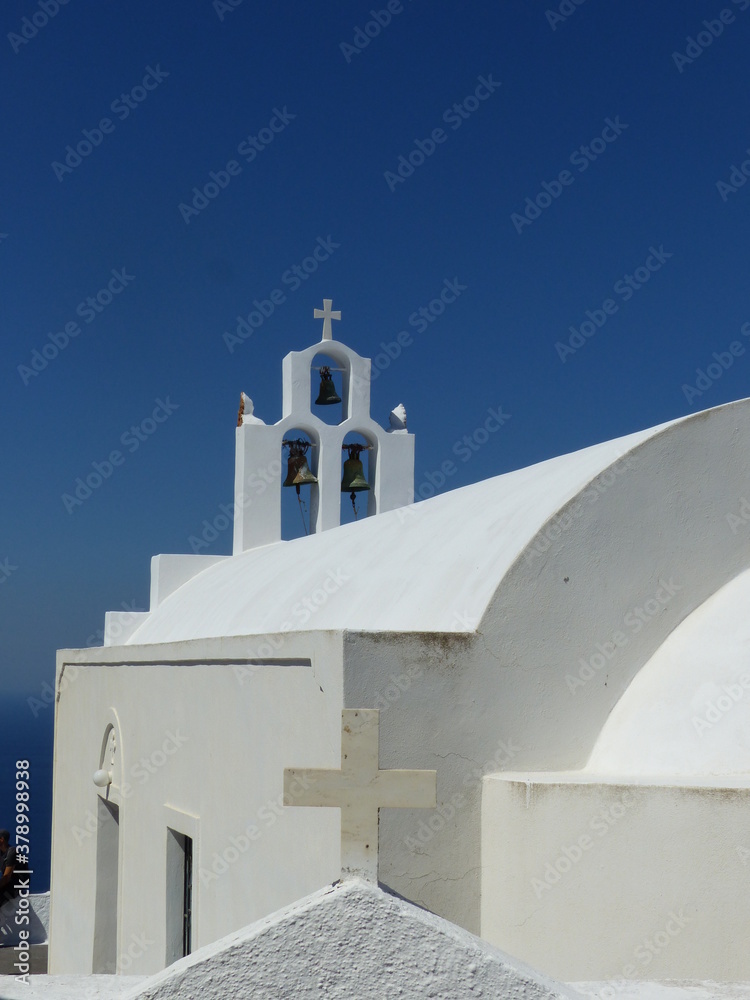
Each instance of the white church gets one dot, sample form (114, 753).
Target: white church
(510, 720)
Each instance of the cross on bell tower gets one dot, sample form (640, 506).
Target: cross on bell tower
(327, 314)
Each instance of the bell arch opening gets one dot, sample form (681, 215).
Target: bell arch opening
(328, 379)
(300, 455)
(358, 470)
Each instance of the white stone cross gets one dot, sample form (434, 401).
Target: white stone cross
(327, 314)
(360, 789)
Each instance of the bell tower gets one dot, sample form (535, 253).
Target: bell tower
(258, 466)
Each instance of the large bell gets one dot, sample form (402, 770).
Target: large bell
(298, 472)
(354, 477)
(327, 395)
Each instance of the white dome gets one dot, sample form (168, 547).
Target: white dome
(687, 712)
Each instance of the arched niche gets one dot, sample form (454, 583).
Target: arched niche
(109, 759)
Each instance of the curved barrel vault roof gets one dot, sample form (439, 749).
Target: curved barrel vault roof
(429, 567)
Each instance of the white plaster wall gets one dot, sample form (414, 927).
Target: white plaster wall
(609, 881)
(475, 700)
(232, 727)
(120, 625)
(351, 941)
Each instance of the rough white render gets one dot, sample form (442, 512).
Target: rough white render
(68, 987)
(350, 940)
(122, 987)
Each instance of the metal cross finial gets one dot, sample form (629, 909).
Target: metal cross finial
(360, 789)
(327, 314)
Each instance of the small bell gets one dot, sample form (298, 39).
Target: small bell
(354, 477)
(298, 472)
(327, 395)
(354, 474)
(354, 481)
(304, 477)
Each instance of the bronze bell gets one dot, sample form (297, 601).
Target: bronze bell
(327, 395)
(298, 471)
(354, 477)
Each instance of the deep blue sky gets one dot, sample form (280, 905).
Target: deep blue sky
(323, 176)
